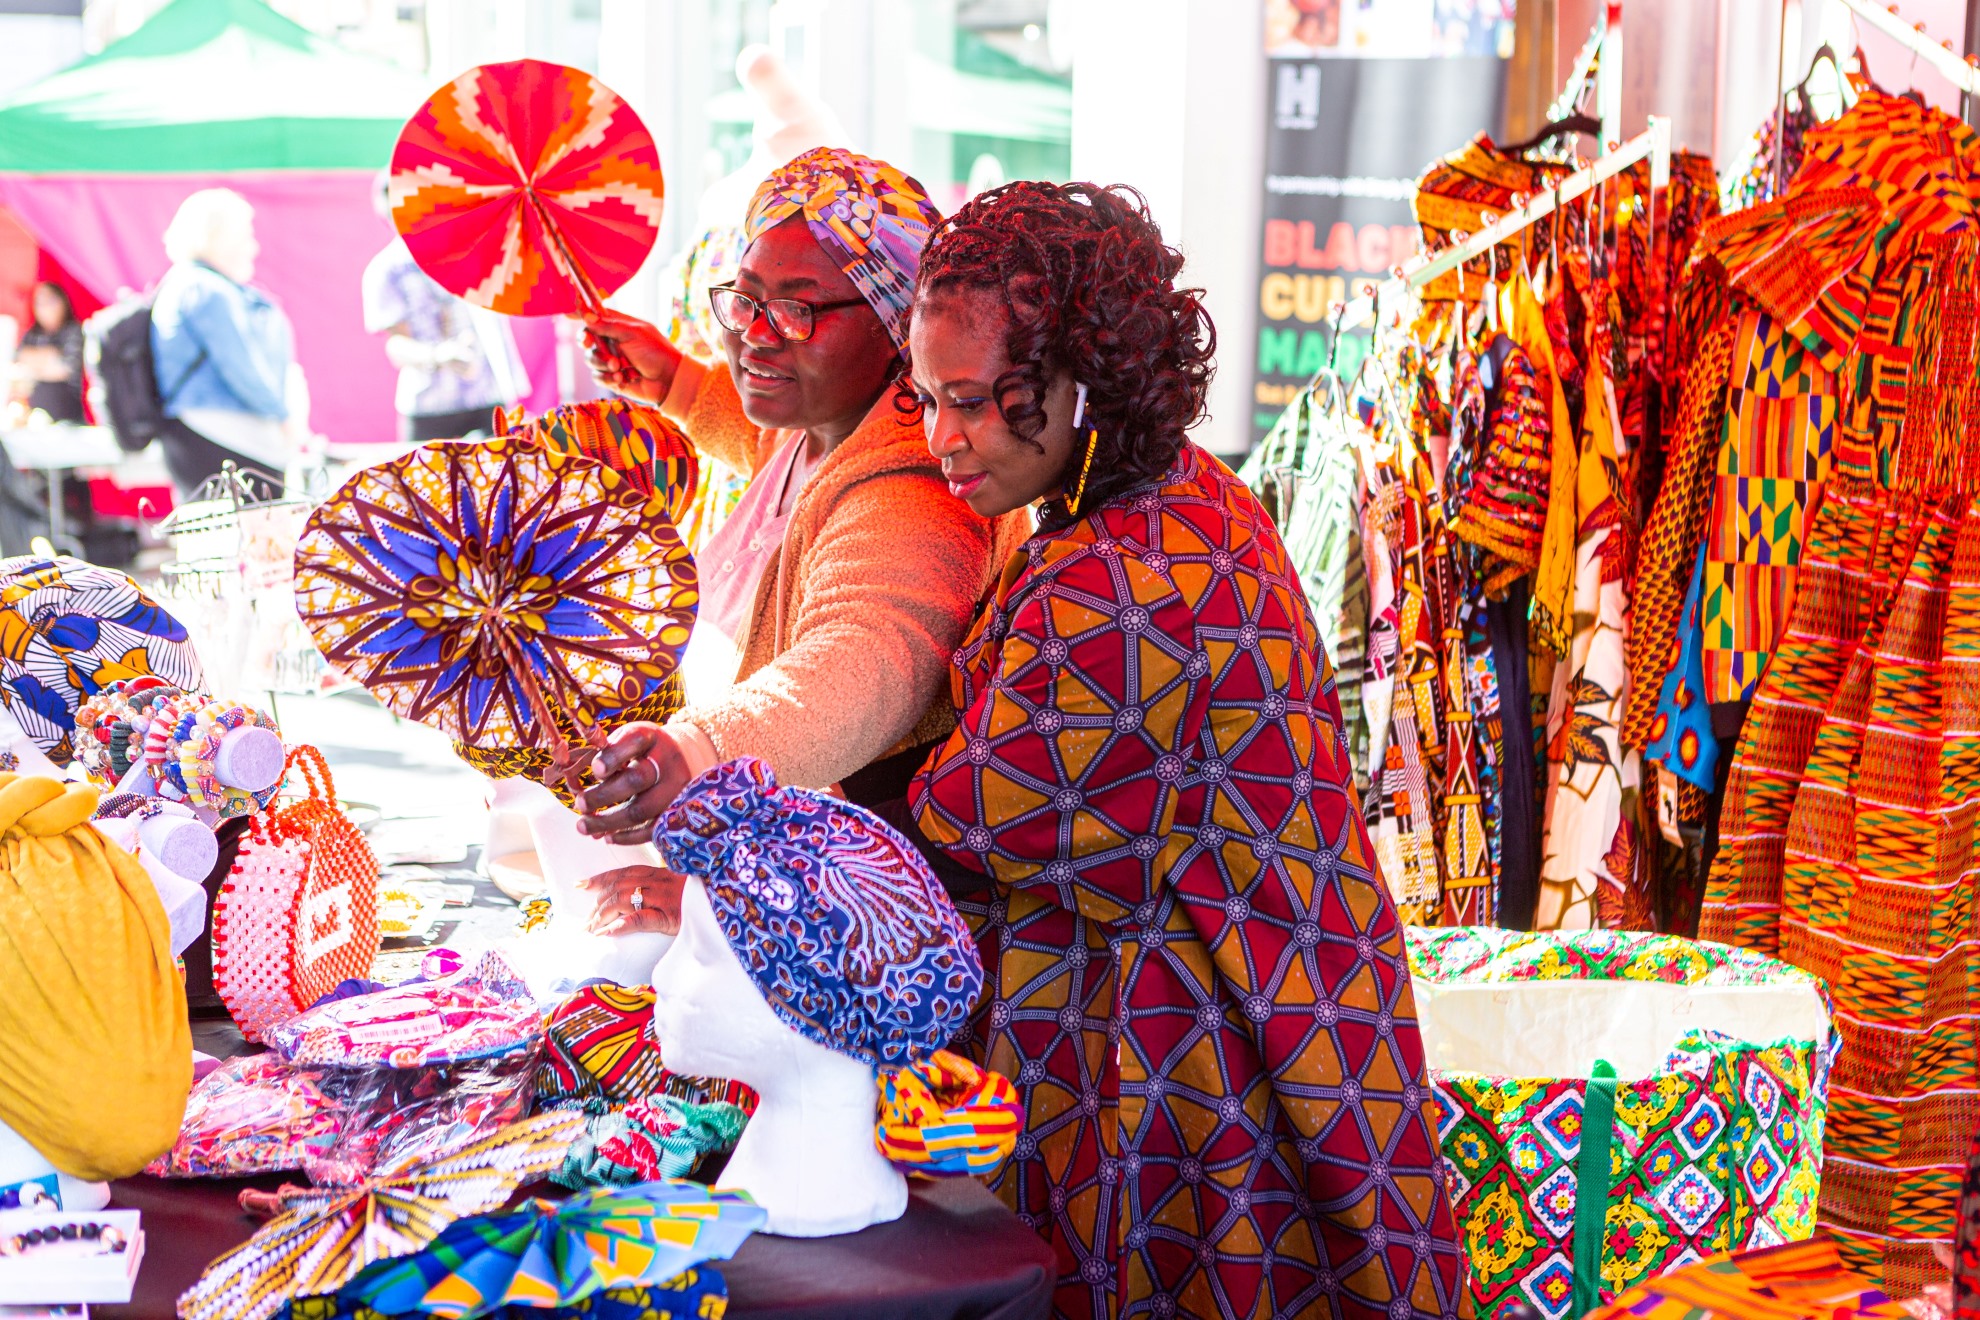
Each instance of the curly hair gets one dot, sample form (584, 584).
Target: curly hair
(1089, 288)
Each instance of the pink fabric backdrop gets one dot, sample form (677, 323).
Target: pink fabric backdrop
(317, 230)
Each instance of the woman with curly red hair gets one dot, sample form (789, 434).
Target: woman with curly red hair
(1197, 979)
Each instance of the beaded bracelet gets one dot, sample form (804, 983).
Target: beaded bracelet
(109, 1238)
(28, 1196)
(191, 747)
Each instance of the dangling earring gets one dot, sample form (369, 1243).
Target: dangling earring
(1079, 491)
(1092, 437)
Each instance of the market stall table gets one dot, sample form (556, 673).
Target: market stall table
(957, 1254)
(63, 448)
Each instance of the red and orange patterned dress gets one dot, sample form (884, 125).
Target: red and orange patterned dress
(1196, 979)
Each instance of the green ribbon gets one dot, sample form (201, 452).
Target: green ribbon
(1591, 1187)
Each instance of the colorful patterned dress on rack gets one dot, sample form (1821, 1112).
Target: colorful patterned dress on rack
(1197, 982)
(1591, 873)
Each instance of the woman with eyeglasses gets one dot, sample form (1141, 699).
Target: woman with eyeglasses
(848, 572)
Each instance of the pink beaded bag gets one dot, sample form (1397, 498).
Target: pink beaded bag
(299, 911)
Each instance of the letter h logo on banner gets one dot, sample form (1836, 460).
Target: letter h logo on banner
(1298, 104)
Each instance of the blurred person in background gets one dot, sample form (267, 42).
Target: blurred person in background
(48, 365)
(224, 353)
(457, 363)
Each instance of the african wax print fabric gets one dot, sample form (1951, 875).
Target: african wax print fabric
(869, 217)
(557, 1253)
(1720, 1149)
(656, 1136)
(470, 585)
(1681, 737)
(68, 629)
(697, 1294)
(1504, 509)
(1458, 193)
(836, 918)
(1198, 981)
(1591, 870)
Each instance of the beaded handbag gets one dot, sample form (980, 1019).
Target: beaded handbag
(298, 913)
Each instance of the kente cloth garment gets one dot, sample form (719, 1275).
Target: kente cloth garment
(1674, 530)
(557, 1253)
(1876, 903)
(947, 1118)
(1780, 433)
(696, 1294)
(1966, 1252)
(1591, 870)
(1832, 610)
(1681, 737)
(837, 919)
(1855, 553)
(1719, 1148)
(1788, 1282)
(91, 1001)
(655, 1137)
(869, 217)
(1198, 981)
(68, 629)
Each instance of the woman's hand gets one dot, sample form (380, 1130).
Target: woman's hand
(629, 355)
(640, 771)
(636, 900)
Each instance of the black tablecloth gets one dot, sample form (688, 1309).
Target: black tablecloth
(957, 1254)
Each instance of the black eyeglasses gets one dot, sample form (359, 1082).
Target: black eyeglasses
(790, 319)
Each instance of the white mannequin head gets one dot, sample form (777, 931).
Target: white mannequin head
(567, 954)
(808, 1155)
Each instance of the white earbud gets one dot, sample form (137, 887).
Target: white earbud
(1079, 408)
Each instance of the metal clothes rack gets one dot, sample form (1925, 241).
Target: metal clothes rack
(1654, 144)
(1961, 71)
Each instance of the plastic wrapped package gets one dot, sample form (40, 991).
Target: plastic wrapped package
(482, 1011)
(419, 1067)
(392, 1114)
(257, 1114)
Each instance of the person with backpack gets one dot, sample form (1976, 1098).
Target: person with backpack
(222, 351)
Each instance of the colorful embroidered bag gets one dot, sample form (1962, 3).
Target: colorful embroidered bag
(1679, 1086)
(298, 912)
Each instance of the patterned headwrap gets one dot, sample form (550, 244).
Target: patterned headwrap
(947, 1118)
(869, 217)
(835, 916)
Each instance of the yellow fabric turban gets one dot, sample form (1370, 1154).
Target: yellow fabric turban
(95, 1050)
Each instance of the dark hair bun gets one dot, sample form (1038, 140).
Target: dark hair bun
(1090, 288)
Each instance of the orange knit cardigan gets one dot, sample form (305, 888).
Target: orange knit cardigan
(845, 657)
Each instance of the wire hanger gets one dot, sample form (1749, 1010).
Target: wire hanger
(1570, 123)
